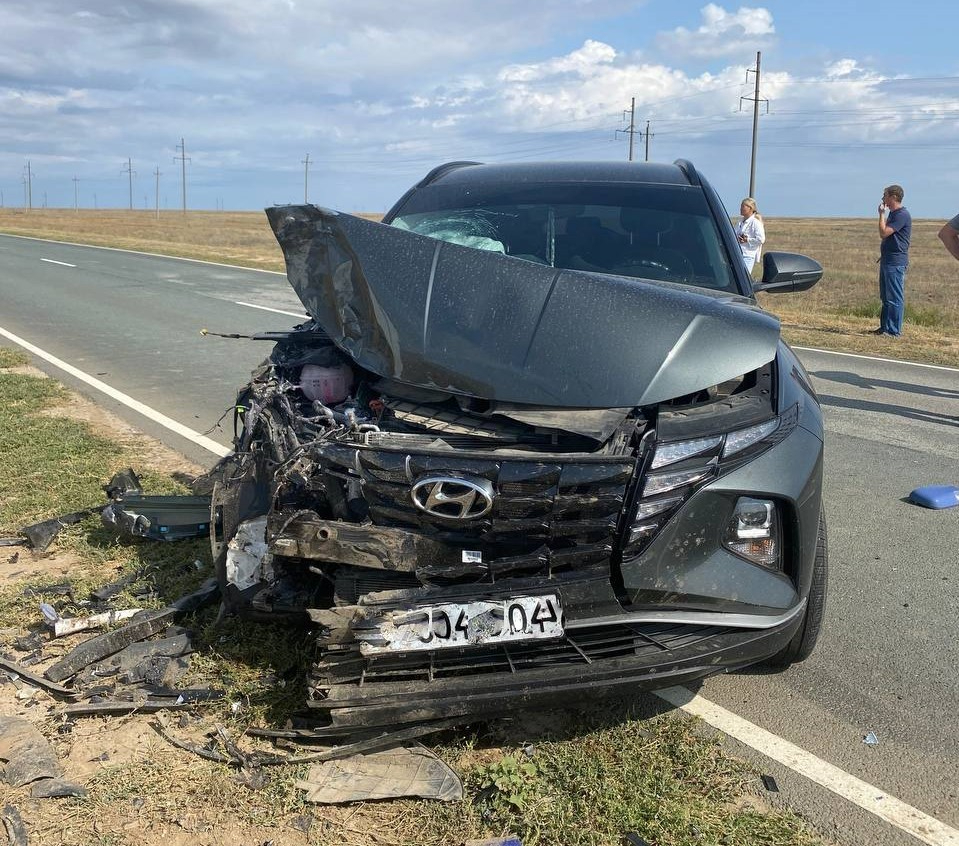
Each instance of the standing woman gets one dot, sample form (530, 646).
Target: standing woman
(750, 232)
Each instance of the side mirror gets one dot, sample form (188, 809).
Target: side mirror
(786, 273)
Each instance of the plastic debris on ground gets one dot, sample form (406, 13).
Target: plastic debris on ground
(770, 783)
(935, 496)
(404, 772)
(246, 553)
(13, 823)
(66, 626)
(509, 840)
(29, 759)
(870, 739)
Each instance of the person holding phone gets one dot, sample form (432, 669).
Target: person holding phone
(750, 232)
(895, 230)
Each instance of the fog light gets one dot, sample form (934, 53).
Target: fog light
(753, 532)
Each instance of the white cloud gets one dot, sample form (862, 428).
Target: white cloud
(722, 33)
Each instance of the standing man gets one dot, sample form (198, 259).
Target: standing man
(949, 235)
(895, 229)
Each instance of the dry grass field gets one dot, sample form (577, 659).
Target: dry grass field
(837, 314)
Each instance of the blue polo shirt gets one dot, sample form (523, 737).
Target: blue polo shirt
(894, 249)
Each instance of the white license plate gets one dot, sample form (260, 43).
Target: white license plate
(465, 624)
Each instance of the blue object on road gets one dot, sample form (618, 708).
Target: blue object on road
(936, 496)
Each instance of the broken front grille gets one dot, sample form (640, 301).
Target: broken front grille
(567, 512)
(578, 647)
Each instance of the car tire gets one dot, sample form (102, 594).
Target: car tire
(804, 641)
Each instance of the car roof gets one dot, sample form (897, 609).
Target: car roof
(467, 173)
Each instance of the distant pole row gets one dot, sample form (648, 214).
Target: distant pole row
(28, 174)
(631, 129)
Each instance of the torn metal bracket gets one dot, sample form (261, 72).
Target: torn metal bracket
(166, 518)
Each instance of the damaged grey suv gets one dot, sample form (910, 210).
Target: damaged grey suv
(536, 438)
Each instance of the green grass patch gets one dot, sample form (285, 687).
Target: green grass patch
(918, 316)
(658, 777)
(13, 358)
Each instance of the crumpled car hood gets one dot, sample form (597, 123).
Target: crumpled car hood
(444, 316)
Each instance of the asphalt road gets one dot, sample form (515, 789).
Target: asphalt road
(888, 660)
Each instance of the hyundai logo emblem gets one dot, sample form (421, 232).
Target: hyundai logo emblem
(453, 498)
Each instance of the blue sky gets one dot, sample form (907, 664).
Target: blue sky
(378, 93)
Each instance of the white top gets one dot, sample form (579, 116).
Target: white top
(752, 227)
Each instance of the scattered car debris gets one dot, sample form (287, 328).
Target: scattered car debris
(127, 661)
(935, 496)
(50, 614)
(25, 752)
(39, 681)
(28, 643)
(67, 626)
(404, 772)
(13, 823)
(114, 707)
(769, 783)
(130, 512)
(108, 591)
(148, 624)
(29, 759)
(633, 839)
(40, 535)
(166, 518)
(56, 788)
(60, 589)
(124, 483)
(145, 625)
(870, 739)
(510, 840)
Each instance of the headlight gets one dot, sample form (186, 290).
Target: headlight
(738, 441)
(678, 469)
(753, 532)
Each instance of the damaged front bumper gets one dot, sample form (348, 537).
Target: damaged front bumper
(639, 651)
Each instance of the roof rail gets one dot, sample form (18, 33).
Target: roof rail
(689, 170)
(442, 170)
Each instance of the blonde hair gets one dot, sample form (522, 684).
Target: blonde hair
(750, 203)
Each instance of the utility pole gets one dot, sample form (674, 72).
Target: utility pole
(29, 188)
(182, 158)
(306, 178)
(129, 172)
(631, 129)
(756, 99)
(157, 175)
(647, 135)
(76, 194)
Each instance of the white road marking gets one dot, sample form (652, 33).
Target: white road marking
(119, 396)
(894, 811)
(877, 358)
(54, 261)
(140, 253)
(277, 310)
